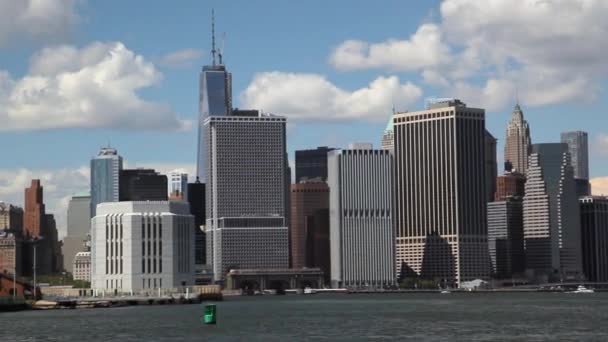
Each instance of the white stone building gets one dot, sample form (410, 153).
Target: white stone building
(361, 233)
(142, 245)
(82, 266)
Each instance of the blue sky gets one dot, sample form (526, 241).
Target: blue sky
(334, 68)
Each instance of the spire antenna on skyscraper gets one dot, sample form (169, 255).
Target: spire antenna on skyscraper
(213, 36)
(220, 52)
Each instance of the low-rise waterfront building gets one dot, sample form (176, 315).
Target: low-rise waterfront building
(141, 246)
(82, 266)
(10, 253)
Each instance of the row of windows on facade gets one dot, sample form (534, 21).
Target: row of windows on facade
(237, 119)
(438, 115)
(383, 213)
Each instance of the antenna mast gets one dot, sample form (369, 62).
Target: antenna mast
(220, 51)
(213, 36)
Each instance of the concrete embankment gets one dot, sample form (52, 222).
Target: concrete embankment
(89, 303)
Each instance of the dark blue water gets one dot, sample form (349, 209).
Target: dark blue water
(406, 317)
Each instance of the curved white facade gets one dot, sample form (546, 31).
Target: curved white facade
(142, 245)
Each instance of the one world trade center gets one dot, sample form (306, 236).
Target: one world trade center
(215, 98)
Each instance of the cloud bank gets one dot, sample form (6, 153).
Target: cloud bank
(92, 87)
(302, 96)
(552, 51)
(37, 20)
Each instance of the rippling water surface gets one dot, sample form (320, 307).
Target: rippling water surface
(406, 317)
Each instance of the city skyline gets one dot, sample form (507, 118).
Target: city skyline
(167, 74)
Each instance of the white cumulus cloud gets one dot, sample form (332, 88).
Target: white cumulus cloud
(423, 49)
(303, 96)
(40, 20)
(181, 58)
(92, 87)
(552, 51)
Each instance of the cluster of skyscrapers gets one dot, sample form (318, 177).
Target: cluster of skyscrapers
(429, 204)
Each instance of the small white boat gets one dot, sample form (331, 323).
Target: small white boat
(445, 291)
(308, 290)
(582, 289)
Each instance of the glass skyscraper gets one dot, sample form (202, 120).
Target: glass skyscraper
(579, 151)
(215, 99)
(105, 173)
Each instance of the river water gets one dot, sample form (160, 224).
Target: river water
(336, 317)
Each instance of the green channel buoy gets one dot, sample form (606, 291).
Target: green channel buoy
(209, 317)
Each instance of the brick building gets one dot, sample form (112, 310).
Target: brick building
(510, 184)
(39, 230)
(22, 287)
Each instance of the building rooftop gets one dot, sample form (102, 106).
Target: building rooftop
(82, 194)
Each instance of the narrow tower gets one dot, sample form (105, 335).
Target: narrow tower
(215, 98)
(517, 143)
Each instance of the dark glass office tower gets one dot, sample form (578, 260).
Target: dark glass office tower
(594, 237)
(506, 237)
(142, 185)
(196, 198)
(312, 164)
(578, 147)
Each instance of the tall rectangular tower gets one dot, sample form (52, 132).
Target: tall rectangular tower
(34, 214)
(441, 193)
(246, 214)
(361, 218)
(578, 147)
(310, 226)
(551, 215)
(196, 199)
(506, 237)
(105, 173)
(491, 166)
